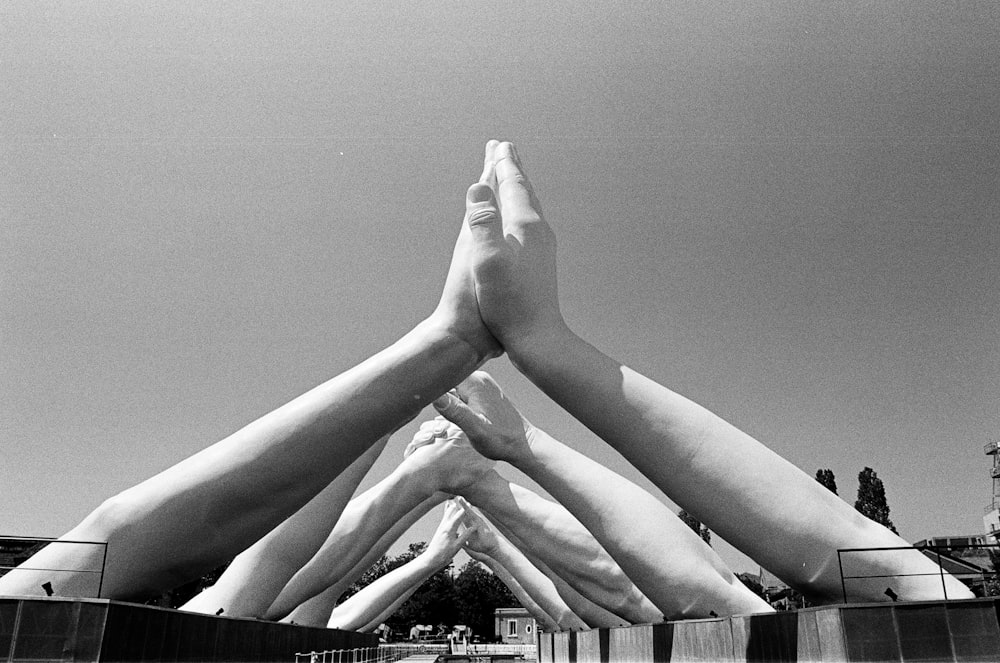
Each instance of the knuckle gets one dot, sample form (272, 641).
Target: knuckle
(516, 179)
(483, 216)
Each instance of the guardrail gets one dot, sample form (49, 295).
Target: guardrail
(391, 653)
(982, 577)
(16, 551)
(358, 655)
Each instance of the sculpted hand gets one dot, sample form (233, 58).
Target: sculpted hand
(449, 537)
(458, 310)
(441, 453)
(513, 251)
(493, 425)
(483, 538)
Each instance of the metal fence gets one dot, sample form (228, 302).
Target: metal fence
(391, 653)
(982, 580)
(16, 555)
(357, 655)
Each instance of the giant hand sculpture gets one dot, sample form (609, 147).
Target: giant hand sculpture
(769, 509)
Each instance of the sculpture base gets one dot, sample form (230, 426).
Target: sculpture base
(65, 629)
(967, 630)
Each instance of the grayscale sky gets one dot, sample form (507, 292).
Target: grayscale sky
(784, 210)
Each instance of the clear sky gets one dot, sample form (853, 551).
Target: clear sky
(784, 210)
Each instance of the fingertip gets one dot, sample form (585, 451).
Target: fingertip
(479, 193)
(443, 402)
(506, 150)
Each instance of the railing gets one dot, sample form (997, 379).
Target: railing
(391, 653)
(981, 578)
(992, 506)
(527, 652)
(20, 550)
(359, 655)
(990, 448)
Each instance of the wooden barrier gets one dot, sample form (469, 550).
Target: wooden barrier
(966, 630)
(101, 630)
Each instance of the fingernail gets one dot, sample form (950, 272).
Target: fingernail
(479, 193)
(444, 400)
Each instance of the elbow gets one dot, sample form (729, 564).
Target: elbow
(346, 620)
(637, 608)
(111, 520)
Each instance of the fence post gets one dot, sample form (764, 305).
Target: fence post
(944, 585)
(104, 562)
(843, 583)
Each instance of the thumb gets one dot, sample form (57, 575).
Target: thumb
(455, 410)
(482, 214)
(463, 539)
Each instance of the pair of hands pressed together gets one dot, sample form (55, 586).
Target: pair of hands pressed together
(501, 286)
(461, 526)
(499, 294)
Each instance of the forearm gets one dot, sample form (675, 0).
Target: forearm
(211, 506)
(256, 576)
(567, 547)
(386, 612)
(370, 602)
(523, 596)
(668, 562)
(506, 561)
(783, 519)
(592, 614)
(364, 522)
(316, 610)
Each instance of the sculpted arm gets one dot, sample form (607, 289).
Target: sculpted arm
(669, 563)
(257, 575)
(213, 505)
(566, 547)
(533, 589)
(763, 505)
(316, 610)
(371, 604)
(592, 614)
(546, 622)
(433, 463)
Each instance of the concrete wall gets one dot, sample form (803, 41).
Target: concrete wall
(100, 630)
(923, 631)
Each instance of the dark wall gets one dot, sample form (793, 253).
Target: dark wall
(97, 630)
(925, 631)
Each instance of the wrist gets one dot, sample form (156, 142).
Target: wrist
(539, 444)
(473, 339)
(411, 484)
(479, 492)
(529, 348)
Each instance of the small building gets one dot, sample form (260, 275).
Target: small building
(514, 626)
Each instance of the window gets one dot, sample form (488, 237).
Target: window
(527, 629)
(512, 628)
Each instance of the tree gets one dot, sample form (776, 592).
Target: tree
(871, 500)
(479, 594)
(434, 602)
(825, 477)
(695, 525)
